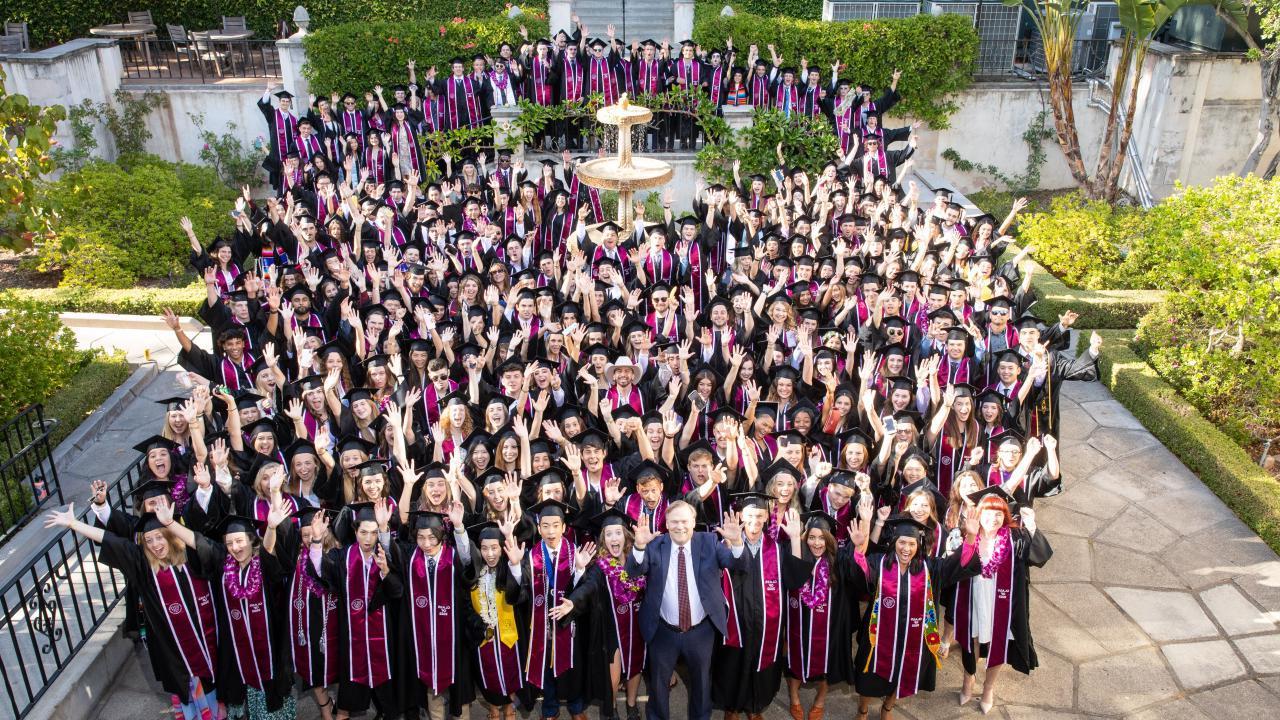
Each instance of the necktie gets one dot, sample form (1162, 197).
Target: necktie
(682, 582)
(431, 566)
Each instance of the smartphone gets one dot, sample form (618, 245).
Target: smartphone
(890, 426)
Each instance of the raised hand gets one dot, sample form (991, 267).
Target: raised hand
(731, 528)
(791, 523)
(586, 553)
(1028, 517)
(61, 518)
(643, 536)
(514, 550)
(380, 557)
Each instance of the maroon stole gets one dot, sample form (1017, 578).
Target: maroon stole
(286, 127)
(412, 141)
(549, 591)
(312, 663)
(1002, 622)
(431, 401)
(473, 110)
(691, 75)
(634, 507)
(226, 279)
(499, 662)
(262, 508)
(308, 146)
(353, 122)
(374, 162)
(717, 80)
(887, 636)
(657, 327)
(368, 644)
(996, 476)
(431, 619)
(606, 474)
(626, 626)
(771, 589)
(664, 273)
(231, 372)
(876, 164)
(807, 643)
(962, 374)
(634, 399)
(599, 255)
(812, 100)
(760, 92)
(695, 270)
(572, 81)
(602, 80)
(765, 450)
(790, 100)
(194, 630)
(541, 84)
(250, 632)
(843, 516)
(649, 75)
(949, 461)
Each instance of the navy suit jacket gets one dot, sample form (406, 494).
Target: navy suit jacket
(709, 557)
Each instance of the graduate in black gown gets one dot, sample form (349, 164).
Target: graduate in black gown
(250, 595)
(898, 635)
(500, 602)
(367, 584)
(993, 608)
(820, 607)
(610, 600)
(177, 605)
(435, 620)
(313, 610)
(746, 668)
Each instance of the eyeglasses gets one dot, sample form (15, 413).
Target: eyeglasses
(998, 311)
(437, 377)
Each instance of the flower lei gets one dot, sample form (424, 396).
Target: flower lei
(998, 553)
(252, 582)
(179, 493)
(814, 592)
(624, 587)
(305, 581)
(488, 599)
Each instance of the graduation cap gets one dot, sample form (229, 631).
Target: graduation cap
(944, 312)
(778, 467)
(351, 442)
(1012, 356)
(156, 442)
(906, 526)
(301, 446)
(591, 437)
(649, 469)
(785, 372)
(172, 403)
(851, 437)
(820, 520)
(154, 487)
(791, 436)
(612, 516)
(284, 95)
(551, 508)
(426, 520)
(234, 524)
(1005, 436)
(693, 447)
(991, 490)
(246, 399)
(1029, 320)
(261, 426)
(804, 405)
(927, 486)
(909, 416)
(742, 501)
(726, 412)
(767, 408)
(147, 523)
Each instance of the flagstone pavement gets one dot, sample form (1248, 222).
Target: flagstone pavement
(1158, 602)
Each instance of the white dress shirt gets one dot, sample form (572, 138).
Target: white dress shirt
(670, 610)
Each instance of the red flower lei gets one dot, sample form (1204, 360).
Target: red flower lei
(998, 553)
(814, 592)
(624, 587)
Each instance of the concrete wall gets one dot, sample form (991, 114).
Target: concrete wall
(83, 69)
(174, 137)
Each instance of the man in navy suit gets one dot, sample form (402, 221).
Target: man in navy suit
(683, 605)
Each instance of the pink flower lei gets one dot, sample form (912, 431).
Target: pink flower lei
(1002, 547)
(305, 581)
(625, 589)
(252, 582)
(814, 592)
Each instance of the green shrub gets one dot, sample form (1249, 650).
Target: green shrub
(128, 220)
(936, 54)
(53, 23)
(1079, 240)
(37, 354)
(354, 57)
(1227, 470)
(84, 392)
(133, 301)
(807, 142)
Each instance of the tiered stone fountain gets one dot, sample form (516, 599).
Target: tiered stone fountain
(624, 173)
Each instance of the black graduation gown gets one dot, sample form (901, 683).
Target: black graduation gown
(517, 597)
(316, 614)
(843, 608)
(943, 573)
(207, 560)
(570, 684)
(1043, 403)
(591, 601)
(736, 684)
(121, 553)
(412, 692)
(333, 575)
(1028, 551)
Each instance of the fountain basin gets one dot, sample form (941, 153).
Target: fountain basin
(641, 173)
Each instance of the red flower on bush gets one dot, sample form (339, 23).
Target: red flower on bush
(393, 40)
(866, 26)
(468, 46)
(443, 30)
(459, 20)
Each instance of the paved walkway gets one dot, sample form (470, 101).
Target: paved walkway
(1158, 603)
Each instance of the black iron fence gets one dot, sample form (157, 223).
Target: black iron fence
(1088, 58)
(52, 606)
(199, 60)
(27, 475)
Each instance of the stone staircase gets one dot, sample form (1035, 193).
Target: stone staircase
(632, 19)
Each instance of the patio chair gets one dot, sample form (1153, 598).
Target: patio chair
(11, 44)
(234, 24)
(142, 17)
(19, 29)
(205, 51)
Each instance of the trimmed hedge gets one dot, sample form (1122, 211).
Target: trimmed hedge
(53, 23)
(1224, 467)
(139, 301)
(354, 57)
(1102, 309)
(935, 53)
(84, 392)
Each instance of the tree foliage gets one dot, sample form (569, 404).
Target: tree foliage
(806, 142)
(27, 131)
(37, 354)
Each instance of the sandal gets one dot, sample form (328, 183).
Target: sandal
(797, 711)
(817, 712)
(944, 649)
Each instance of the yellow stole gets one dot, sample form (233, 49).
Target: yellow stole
(506, 615)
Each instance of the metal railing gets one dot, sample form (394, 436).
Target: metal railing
(1089, 58)
(53, 605)
(204, 61)
(27, 474)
